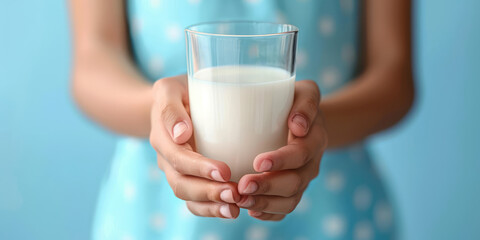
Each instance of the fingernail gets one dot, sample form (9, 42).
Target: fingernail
(225, 211)
(247, 202)
(266, 165)
(215, 174)
(179, 129)
(251, 188)
(227, 196)
(301, 121)
(255, 214)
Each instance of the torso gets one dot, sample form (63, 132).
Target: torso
(346, 201)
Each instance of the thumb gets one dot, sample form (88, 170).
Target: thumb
(177, 122)
(305, 107)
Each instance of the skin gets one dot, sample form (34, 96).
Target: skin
(109, 89)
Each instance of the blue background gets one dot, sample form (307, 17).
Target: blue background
(52, 158)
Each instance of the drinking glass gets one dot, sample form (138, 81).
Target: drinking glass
(241, 86)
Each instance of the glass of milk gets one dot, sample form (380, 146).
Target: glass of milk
(241, 84)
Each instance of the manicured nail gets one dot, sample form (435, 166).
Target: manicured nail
(255, 214)
(227, 196)
(247, 202)
(266, 165)
(301, 121)
(215, 174)
(225, 211)
(251, 188)
(179, 129)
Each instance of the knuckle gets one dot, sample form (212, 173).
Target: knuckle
(293, 202)
(168, 113)
(304, 156)
(191, 208)
(314, 87)
(176, 190)
(311, 107)
(154, 141)
(297, 184)
(265, 186)
(260, 204)
(162, 84)
(213, 194)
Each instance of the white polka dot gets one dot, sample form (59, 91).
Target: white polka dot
(302, 58)
(129, 191)
(174, 32)
(194, 1)
(348, 54)
(158, 221)
(326, 26)
(347, 5)
(280, 17)
(257, 233)
(137, 25)
(210, 236)
(127, 237)
(155, 66)
(155, 3)
(335, 181)
(252, 1)
(362, 198)
(330, 78)
(301, 238)
(303, 205)
(154, 173)
(356, 152)
(363, 231)
(333, 225)
(253, 51)
(383, 216)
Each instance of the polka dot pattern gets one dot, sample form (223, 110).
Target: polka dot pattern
(155, 66)
(257, 232)
(346, 200)
(334, 225)
(383, 216)
(335, 181)
(326, 25)
(363, 231)
(362, 198)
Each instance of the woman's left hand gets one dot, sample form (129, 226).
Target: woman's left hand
(285, 173)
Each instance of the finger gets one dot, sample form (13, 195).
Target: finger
(266, 216)
(296, 154)
(305, 107)
(185, 161)
(272, 204)
(282, 183)
(171, 98)
(199, 189)
(209, 209)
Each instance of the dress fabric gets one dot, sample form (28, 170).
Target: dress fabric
(346, 201)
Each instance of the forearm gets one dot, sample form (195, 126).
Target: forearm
(374, 101)
(109, 89)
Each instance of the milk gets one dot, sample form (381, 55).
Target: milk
(239, 112)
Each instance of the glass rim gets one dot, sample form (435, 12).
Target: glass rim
(189, 29)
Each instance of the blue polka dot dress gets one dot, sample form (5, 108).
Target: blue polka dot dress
(346, 201)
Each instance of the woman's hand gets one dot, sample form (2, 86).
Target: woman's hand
(286, 172)
(200, 181)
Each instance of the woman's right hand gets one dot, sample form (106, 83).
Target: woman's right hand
(202, 182)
